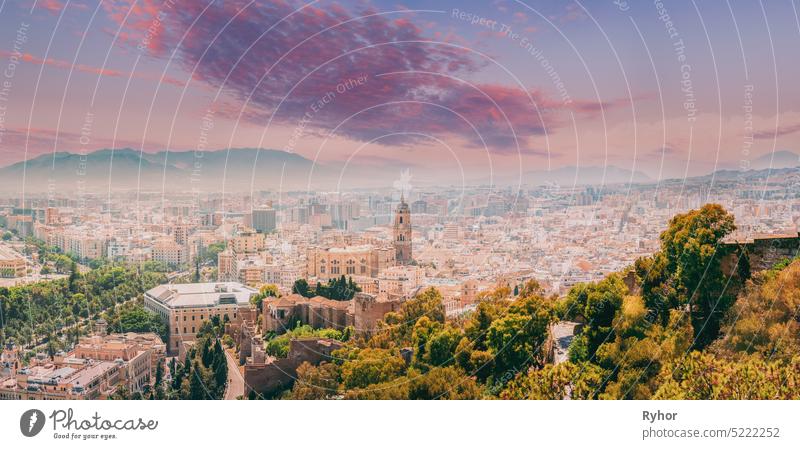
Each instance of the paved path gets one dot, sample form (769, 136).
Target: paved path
(235, 379)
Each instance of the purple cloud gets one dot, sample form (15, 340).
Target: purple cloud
(366, 77)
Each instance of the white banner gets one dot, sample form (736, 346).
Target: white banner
(344, 424)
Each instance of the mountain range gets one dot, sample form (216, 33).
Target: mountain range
(128, 169)
(251, 169)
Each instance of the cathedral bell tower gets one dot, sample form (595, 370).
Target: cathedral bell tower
(402, 232)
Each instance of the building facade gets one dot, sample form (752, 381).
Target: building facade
(362, 260)
(264, 220)
(184, 307)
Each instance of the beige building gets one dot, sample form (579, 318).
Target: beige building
(362, 260)
(95, 369)
(12, 263)
(401, 281)
(141, 352)
(226, 265)
(180, 233)
(244, 259)
(248, 242)
(170, 253)
(251, 270)
(184, 307)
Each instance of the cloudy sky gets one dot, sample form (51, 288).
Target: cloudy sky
(667, 89)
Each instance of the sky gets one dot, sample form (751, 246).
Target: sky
(669, 88)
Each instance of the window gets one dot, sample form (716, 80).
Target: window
(192, 329)
(184, 330)
(192, 317)
(184, 318)
(401, 219)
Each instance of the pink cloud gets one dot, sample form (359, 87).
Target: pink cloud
(389, 52)
(62, 64)
(776, 132)
(53, 6)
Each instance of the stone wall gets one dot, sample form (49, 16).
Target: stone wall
(368, 311)
(760, 253)
(273, 375)
(362, 312)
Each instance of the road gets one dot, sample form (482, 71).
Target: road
(235, 379)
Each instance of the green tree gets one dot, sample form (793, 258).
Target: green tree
(316, 382)
(371, 366)
(691, 245)
(555, 382)
(597, 303)
(196, 389)
(73, 276)
(443, 383)
(266, 291)
(764, 319)
(300, 287)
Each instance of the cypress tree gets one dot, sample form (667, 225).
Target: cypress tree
(196, 390)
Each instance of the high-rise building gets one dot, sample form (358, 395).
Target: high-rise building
(402, 232)
(264, 220)
(180, 232)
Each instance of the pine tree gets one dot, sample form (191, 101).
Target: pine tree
(73, 275)
(206, 357)
(159, 373)
(221, 376)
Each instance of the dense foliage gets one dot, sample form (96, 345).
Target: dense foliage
(415, 354)
(204, 371)
(338, 289)
(36, 313)
(132, 317)
(278, 346)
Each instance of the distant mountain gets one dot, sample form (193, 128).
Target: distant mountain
(566, 176)
(778, 159)
(251, 169)
(126, 169)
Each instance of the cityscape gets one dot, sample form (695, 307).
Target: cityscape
(265, 268)
(288, 200)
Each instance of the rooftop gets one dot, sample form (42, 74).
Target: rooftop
(8, 253)
(201, 294)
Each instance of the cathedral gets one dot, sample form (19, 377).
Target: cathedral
(402, 232)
